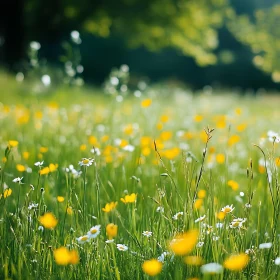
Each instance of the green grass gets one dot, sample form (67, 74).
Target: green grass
(170, 176)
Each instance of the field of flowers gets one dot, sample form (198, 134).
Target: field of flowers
(157, 184)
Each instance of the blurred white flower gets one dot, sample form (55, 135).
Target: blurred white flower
(211, 268)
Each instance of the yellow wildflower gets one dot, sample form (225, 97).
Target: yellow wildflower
(201, 194)
(146, 103)
(109, 207)
(198, 203)
(183, 244)
(166, 135)
(48, 220)
(152, 267)
(236, 262)
(60, 198)
(129, 198)
(128, 130)
(7, 192)
(20, 167)
(43, 150)
(198, 118)
(159, 126)
(111, 230)
(164, 118)
(221, 215)
(233, 140)
(44, 171)
(171, 153)
(234, 185)
(63, 256)
(53, 167)
(25, 155)
(220, 158)
(69, 210)
(241, 127)
(238, 111)
(12, 143)
(83, 147)
(93, 141)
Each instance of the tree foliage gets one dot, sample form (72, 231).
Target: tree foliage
(262, 35)
(187, 25)
(190, 26)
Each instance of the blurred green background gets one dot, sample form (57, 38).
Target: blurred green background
(232, 43)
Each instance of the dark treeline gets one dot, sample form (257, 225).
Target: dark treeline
(99, 55)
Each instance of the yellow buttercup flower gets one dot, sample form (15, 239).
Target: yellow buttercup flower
(48, 220)
(63, 256)
(12, 143)
(220, 158)
(234, 185)
(43, 150)
(233, 140)
(146, 103)
(44, 171)
(60, 198)
(198, 203)
(129, 198)
(183, 244)
(236, 262)
(25, 155)
(20, 167)
(198, 118)
(83, 147)
(109, 207)
(166, 135)
(221, 215)
(152, 267)
(171, 153)
(201, 194)
(53, 167)
(7, 192)
(111, 230)
(69, 210)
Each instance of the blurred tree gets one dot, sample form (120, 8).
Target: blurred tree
(262, 35)
(11, 31)
(188, 25)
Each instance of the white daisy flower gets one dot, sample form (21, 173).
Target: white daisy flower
(265, 245)
(160, 209)
(32, 206)
(129, 148)
(178, 215)
(122, 247)
(211, 268)
(161, 258)
(18, 180)
(277, 261)
(219, 225)
(41, 228)
(237, 223)
(94, 231)
(83, 239)
(95, 151)
(200, 244)
(109, 241)
(227, 209)
(200, 219)
(39, 163)
(147, 233)
(86, 162)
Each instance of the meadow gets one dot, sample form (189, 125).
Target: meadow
(162, 183)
